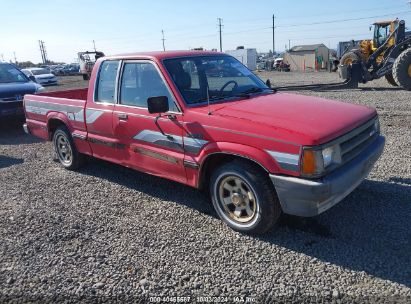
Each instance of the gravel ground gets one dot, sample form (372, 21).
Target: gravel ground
(110, 234)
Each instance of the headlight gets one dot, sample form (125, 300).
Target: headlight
(327, 156)
(316, 161)
(40, 89)
(377, 126)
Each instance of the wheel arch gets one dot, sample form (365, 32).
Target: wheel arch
(216, 159)
(219, 153)
(55, 120)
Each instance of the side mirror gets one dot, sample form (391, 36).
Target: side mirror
(32, 78)
(268, 83)
(158, 104)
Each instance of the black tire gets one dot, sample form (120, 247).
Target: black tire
(391, 79)
(85, 77)
(63, 144)
(350, 57)
(256, 188)
(402, 70)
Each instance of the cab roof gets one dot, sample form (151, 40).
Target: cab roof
(385, 22)
(163, 55)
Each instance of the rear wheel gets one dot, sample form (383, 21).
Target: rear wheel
(350, 57)
(65, 149)
(402, 70)
(391, 79)
(244, 197)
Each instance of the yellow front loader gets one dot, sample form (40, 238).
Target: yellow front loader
(387, 54)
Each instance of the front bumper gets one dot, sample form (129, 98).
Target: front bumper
(305, 197)
(48, 82)
(11, 108)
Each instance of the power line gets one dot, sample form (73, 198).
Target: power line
(341, 20)
(287, 17)
(220, 25)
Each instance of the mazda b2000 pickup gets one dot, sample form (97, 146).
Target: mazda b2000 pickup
(205, 120)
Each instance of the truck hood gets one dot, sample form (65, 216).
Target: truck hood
(311, 120)
(14, 89)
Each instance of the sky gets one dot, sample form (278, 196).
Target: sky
(123, 26)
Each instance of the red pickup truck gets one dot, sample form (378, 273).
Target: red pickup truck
(205, 120)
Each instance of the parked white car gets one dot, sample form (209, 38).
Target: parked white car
(42, 76)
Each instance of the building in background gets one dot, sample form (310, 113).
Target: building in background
(248, 57)
(312, 57)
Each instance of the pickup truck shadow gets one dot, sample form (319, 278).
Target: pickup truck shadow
(368, 231)
(154, 186)
(12, 133)
(6, 161)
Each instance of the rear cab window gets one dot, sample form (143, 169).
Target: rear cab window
(106, 82)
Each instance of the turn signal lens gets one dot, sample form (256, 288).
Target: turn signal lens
(308, 162)
(312, 162)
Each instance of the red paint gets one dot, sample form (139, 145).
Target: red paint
(246, 127)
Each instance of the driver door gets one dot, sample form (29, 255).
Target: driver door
(147, 146)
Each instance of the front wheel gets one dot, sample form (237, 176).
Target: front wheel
(65, 149)
(402, 69)
(244, 197)
(391, 79)
(350, 57)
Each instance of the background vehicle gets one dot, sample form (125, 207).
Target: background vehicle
(387, 54)
(43, 76)
(281, 65)
(259, 153)
(87, 60)
(13, 86)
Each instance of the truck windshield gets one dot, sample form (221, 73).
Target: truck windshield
(8, 73)
(214, 78)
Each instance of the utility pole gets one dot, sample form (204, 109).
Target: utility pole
(273, 35)
(94, 45)
(289, 44)
(43, 52)
(15, 59)
(164, 46)
(2, 57)
(221, 40)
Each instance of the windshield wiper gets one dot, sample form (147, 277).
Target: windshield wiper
(247, 93)
(211, 98)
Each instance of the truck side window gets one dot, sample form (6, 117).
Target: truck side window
(141, 81)
(107, 81)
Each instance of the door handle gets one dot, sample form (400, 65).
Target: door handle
(122, 116)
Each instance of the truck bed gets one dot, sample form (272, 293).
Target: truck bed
(67, 106)
(68, 94)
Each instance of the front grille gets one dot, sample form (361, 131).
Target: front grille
(357, 140)
(10, 99)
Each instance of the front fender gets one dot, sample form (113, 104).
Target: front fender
(259, 156)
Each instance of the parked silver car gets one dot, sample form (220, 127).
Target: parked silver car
(43, 76)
